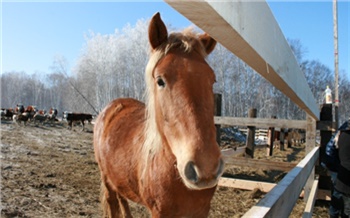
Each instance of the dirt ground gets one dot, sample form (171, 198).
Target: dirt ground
(50, 171)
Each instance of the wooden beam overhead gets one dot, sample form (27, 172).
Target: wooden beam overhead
(249, 30)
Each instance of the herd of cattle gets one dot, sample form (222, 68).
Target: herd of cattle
(31, 114)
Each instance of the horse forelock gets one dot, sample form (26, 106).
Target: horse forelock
(186, 41)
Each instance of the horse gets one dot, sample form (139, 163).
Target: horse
(163, 153)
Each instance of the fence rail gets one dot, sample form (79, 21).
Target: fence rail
(260, 122)
(280, 201)
(236, 24)
(249, 30)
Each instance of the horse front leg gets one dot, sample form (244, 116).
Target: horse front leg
(123, 204)
(109, 200)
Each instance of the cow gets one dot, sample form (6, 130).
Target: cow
(76, 117)
(296, 136)
(6, 113)
(53, 112)
(52, 115)
(2, 112)
(31, 110)
(23, 117)
(19, 109)
(39, 117)
(42, 112)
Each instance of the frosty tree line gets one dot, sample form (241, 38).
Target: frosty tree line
(112, 66)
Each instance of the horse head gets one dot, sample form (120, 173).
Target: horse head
(180, 103)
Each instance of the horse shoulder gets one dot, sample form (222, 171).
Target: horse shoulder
(119, 124)
(117, 142)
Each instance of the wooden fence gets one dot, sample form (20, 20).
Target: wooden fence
(298, 182)
(248, 29)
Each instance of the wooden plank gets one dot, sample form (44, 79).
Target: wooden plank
(246, 184)
(258, 164)
(326, 115)
(309, 145)
(270, 141)
(282, 136)
(249, 30)
(260, 122)
(231, 152)
(250, 141)
(265, 187)
(280, 201)
(217, 112)
(261, 146)
(311, 201)
(326, 126)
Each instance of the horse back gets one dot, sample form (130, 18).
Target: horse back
(117, 144)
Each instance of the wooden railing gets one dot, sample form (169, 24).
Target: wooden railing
(249, 30)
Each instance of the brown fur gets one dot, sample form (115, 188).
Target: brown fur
(163, 154)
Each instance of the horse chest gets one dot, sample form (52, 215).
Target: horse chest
(164, 196)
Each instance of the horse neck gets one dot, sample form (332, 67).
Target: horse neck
(159, 150)
(161, 163)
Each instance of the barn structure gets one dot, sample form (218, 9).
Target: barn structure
(249, 30)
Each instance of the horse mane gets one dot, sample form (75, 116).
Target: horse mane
(186, 41)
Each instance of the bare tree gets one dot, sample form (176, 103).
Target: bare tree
(344, 96)
(112, 66)
(13, 89)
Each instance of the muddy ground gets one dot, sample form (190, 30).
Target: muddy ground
(50, 171)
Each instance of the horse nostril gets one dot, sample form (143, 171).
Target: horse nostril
(190, 172)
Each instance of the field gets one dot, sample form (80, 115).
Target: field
(50, 171)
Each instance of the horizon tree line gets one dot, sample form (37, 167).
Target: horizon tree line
(112, 66)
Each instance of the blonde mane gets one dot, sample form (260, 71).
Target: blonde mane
(187, 41)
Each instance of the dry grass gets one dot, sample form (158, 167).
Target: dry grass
(49, 171)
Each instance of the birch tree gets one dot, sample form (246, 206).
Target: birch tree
(113, 65)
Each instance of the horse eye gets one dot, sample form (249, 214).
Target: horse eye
(160, 82)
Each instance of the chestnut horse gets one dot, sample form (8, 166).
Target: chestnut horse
(163, 154)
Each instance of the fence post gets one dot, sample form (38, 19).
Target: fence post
(270, 139)
(325, 115)
(250, 142)
(289, 138)
(217, 112)
(282, 134)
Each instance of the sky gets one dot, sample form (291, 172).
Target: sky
(33, 33)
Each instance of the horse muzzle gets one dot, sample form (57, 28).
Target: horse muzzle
(196, 179)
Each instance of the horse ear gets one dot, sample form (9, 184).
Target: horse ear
(157, 31)
(208, 42)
